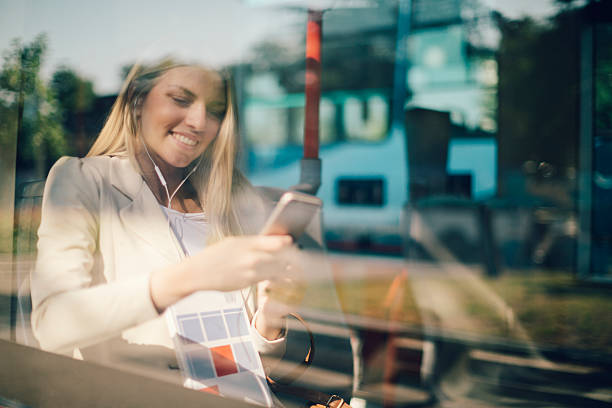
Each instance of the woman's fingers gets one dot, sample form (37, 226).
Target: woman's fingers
(238, 262)
(266, 266)
(271, 243)
(269, 255)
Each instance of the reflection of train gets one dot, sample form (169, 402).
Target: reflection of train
(365, 174)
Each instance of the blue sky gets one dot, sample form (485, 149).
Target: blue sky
(96, 38)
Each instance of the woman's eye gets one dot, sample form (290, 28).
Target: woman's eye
(180, 101)
(216, 110)
(216, 114)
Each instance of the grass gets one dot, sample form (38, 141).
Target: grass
(368, 298)
(557, 309)
(553, 308)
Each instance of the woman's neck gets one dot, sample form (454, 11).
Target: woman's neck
(184, 200)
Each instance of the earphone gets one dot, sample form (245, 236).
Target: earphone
(161, 178)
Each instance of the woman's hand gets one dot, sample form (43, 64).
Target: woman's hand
(231, 264)
(277, 298)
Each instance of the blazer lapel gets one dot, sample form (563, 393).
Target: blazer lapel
(142, 215)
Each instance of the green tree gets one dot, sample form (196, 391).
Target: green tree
(603, 79)
(75, 96)
(40, 136)
(72, 92)
(538, 103)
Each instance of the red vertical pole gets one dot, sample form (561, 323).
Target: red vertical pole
(313, 84)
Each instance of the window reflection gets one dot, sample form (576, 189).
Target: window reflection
(468, 230)
(602, 145)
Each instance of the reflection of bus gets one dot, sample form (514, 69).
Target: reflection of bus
(370, 146)
(364, 176)
(364, 181)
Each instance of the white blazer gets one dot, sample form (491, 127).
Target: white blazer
(101, 235)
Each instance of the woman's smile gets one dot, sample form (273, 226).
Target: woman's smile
(183, 139)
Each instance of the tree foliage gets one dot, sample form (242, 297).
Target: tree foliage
(73, 93)
(603, 79)
(538, 95)
(76, 97)
(30, 107)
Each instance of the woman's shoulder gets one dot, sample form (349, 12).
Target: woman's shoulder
(86, 174)
(94, 166)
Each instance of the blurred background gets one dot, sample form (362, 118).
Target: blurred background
(466, 150)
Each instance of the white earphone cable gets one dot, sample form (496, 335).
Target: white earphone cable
(161, 178)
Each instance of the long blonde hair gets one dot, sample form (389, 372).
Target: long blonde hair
(216, 181)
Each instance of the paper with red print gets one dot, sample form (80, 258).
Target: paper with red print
(211, 333)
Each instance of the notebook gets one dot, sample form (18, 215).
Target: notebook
(214, 348)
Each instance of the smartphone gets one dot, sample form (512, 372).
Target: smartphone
(292, 214)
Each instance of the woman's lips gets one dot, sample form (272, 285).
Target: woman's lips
(184, 139)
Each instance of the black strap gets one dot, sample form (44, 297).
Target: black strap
(304, 364)
(283, 385)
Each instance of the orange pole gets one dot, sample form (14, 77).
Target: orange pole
(313, 84)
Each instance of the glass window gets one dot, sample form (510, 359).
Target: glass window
(462, 254)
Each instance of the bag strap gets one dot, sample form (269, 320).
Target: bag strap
(283, 384)
(304, 363)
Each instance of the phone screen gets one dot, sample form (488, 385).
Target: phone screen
(292, 215)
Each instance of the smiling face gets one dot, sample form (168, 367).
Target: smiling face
(182, 114)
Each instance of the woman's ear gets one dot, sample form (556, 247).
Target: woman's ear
(137, 107)
(135, 111)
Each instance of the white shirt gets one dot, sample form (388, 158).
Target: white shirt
(191, 229)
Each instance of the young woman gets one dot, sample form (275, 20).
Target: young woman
(155, 212)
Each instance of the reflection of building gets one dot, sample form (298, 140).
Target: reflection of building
(595, 144)
(446, 71)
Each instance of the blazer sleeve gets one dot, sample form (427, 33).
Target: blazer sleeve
(72, 305)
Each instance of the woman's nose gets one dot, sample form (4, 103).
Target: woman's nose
(196, 116)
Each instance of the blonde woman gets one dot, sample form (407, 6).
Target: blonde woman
(110, 258)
